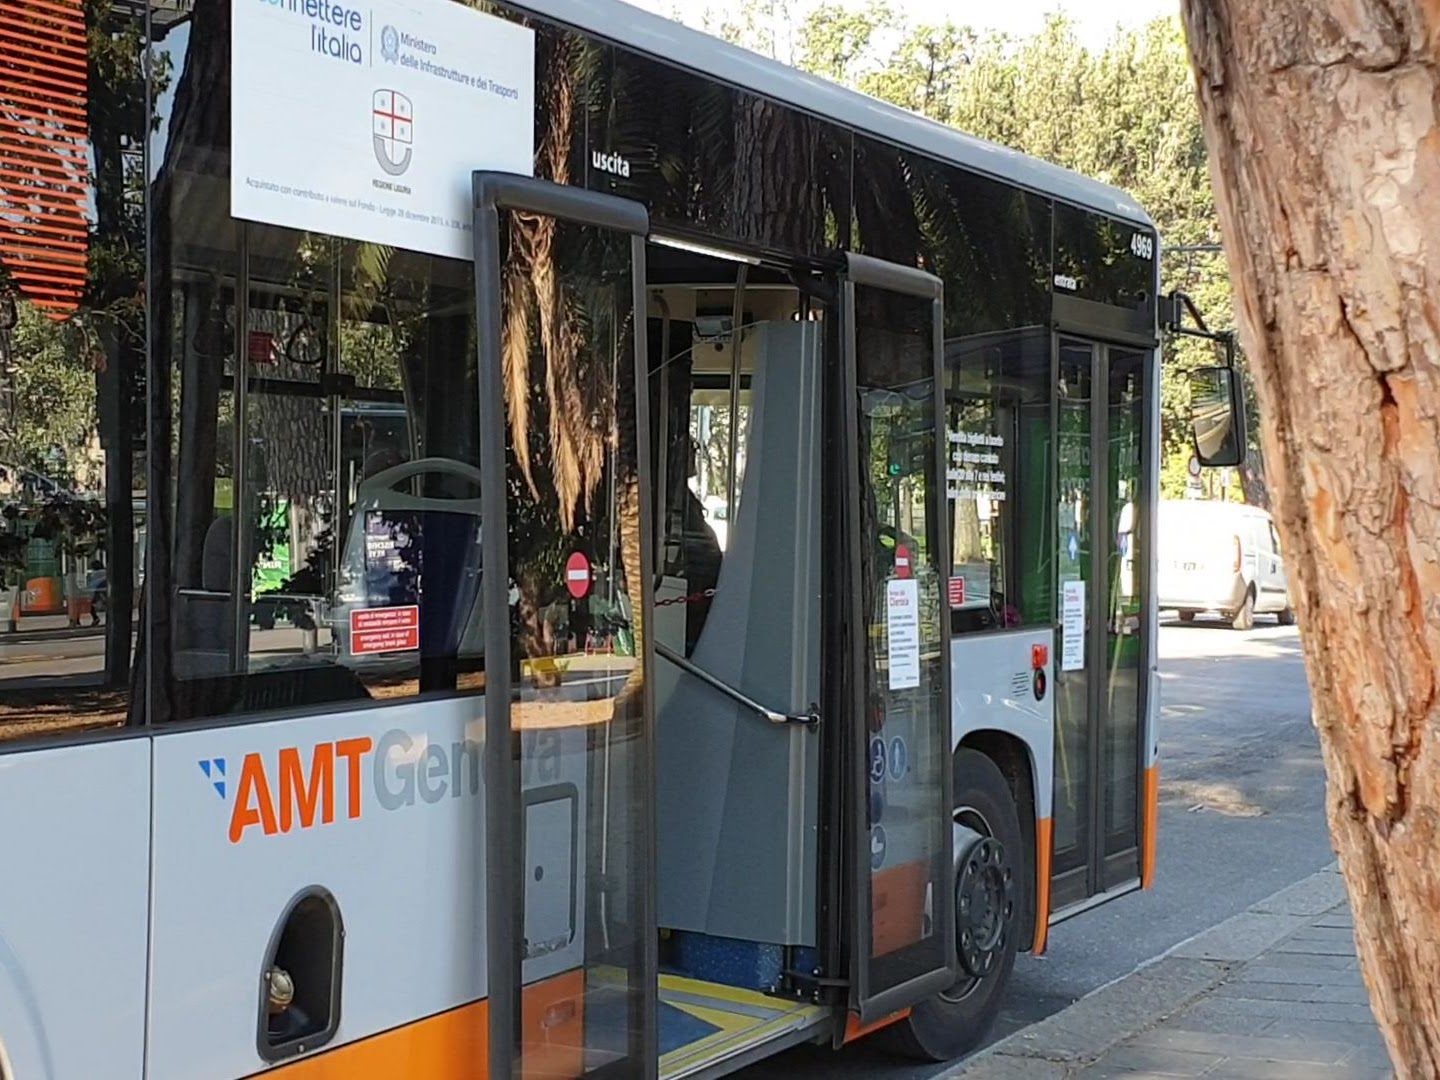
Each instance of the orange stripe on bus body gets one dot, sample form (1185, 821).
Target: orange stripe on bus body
(455, 1045)
(1151, 827)
(855, 1030)
(1044, 835)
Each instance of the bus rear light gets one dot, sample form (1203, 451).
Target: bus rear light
(1039, 657)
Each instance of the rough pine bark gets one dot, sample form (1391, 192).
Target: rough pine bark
(1325, 155)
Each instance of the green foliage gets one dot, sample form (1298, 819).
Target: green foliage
(49, 419)
(74, 524)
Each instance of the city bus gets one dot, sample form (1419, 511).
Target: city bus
(553, 782)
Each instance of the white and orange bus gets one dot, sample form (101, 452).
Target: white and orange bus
(519, 772)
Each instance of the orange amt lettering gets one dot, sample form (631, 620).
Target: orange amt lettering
(295, 794)
(352, 750)
(254, 788)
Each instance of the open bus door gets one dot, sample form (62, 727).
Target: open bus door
(901, 865)
(570, 923)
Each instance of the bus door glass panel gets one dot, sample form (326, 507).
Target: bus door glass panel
(1073, 736)
(579, 700)
(906, 887)
(1126, 559)
(1102, 540)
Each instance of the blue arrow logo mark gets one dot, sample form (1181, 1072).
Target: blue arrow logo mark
(214, 770)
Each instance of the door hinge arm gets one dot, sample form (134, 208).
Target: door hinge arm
(809, 718)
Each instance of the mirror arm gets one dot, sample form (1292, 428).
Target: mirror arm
(1172, 319)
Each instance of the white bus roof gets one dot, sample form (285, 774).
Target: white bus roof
(667, 40)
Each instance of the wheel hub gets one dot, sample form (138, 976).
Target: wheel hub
(984, 906)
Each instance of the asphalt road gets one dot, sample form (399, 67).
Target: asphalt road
(1242, 815)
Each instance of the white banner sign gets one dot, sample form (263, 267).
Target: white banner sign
(902, 628)
(1072, 626)
(365, 121)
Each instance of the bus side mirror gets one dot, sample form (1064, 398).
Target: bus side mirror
(1217, 416)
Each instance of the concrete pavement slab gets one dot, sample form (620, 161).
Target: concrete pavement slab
(1271, 994)
(1314, 895)
(1241, 938)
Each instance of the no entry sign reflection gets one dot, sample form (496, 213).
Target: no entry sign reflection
(578, 576)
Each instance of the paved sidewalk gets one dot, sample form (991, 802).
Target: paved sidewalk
(1272, 994)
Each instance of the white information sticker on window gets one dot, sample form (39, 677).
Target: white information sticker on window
(1072, 626)
(902, 630)
(366, 120)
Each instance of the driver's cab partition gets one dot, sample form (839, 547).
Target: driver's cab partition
(739, 597)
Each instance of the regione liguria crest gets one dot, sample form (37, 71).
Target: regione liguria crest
(394, 123)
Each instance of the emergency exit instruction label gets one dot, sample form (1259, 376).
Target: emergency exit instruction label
(384, 630)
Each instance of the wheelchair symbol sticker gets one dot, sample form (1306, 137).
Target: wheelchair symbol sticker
(877, 761)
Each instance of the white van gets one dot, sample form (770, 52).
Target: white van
(1223, 558)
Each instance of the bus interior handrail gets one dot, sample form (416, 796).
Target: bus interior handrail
(774, 716)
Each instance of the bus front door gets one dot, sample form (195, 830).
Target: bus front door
(1102, 559)
(901, 882)
(570, 924)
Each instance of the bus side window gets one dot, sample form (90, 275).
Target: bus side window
(72, 376)
(326, 479)
(72, 524)
(997, 457)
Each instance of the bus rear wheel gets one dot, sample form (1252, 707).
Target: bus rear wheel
(989, 895)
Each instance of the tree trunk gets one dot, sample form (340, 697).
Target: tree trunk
(1325, 155)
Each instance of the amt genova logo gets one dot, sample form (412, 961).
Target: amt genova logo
(292, 789)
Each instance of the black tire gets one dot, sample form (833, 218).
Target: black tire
(957, 1021)
(1286, 617)
(1245, 618)
(1187, 616)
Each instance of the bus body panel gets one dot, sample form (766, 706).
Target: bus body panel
(1150, 734)
(1004, 683)
(402, 790)
(76, 853)
(699, 51)
(995, 688)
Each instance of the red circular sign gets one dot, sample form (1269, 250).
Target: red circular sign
(902, 561)
(577, 576)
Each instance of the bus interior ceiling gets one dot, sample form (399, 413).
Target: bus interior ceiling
(738, 594)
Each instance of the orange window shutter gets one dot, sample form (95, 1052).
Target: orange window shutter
(44, 161)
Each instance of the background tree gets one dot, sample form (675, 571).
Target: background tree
(1322, 128)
